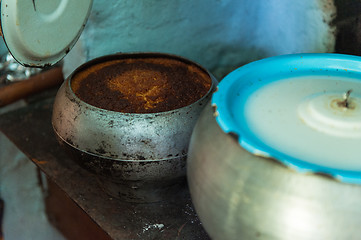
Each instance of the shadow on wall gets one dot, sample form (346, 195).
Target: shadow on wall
(348, 24)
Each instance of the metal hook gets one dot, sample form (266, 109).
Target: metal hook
(346, 98)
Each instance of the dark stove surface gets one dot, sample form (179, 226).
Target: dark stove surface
(30, 129)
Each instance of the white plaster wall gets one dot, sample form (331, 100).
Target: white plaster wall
(219, 34)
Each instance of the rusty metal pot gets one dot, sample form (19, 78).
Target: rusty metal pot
(138, 157)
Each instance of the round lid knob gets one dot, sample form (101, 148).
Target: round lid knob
(40, 33)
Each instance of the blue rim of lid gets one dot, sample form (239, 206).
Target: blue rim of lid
(261, 72)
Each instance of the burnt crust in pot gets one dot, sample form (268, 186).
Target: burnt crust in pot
(141, 85)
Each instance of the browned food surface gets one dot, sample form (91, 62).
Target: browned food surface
(141, 85)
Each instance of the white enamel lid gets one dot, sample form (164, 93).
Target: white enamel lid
(40, 33)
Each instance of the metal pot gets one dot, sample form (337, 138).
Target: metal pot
(137, 157)
(240, 194)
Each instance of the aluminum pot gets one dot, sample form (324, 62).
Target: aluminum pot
(138, 157)
(240, 194)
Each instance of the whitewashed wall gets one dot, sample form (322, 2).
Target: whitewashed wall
(219, 34)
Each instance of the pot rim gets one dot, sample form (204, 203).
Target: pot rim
(139, 55)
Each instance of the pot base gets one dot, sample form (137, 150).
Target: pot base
(138, 181)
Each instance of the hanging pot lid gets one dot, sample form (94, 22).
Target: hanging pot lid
(40, 33)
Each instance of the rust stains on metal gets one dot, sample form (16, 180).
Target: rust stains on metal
(39, 162)
(234, 136)
(215, 112)
(324, 175)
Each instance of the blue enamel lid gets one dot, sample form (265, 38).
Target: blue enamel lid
(234, 91)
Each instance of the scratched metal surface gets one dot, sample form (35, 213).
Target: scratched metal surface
(30, 129)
